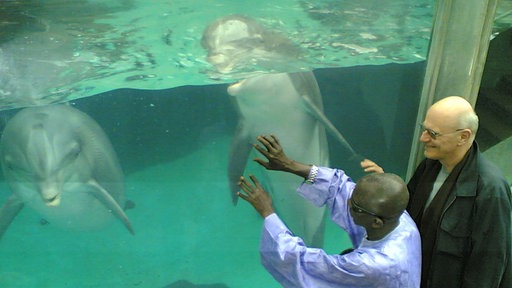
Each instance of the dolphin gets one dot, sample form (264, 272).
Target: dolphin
(286, 104)
(276, 103)
(58, 161)
(238, 45)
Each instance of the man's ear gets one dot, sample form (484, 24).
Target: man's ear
(377, 223)
(464, 136)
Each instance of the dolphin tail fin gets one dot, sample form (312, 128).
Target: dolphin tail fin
(111, 204)
(331, 129)
(8, 212)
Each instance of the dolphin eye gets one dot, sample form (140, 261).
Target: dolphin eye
(9, 164)
(72, 154)
(76, 152)
(17, 170)
(74, 149)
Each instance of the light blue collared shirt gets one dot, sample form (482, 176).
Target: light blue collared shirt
(393, 261)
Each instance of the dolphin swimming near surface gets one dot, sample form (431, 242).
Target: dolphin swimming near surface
(239, 45)
(270, 103)
(288, 105)
(58, 161)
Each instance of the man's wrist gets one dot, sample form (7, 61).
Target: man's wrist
(267, 213)
(298, 168)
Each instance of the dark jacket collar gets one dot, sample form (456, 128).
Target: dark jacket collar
(466, 186)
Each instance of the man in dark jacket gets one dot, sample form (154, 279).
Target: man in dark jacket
(461, 203)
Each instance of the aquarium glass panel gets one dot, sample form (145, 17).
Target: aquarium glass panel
(126, 124)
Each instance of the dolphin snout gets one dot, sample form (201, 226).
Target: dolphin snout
(50, 193)
(53, 201)
(234, 88)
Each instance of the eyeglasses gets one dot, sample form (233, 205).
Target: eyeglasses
(358, 209)
(433, 134)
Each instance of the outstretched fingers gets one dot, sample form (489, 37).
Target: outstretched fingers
(371, 167)
(264, 151)
(255, 181)
(246, 187)
(270, 142)
(274, 141)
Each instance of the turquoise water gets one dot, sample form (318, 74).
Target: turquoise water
(186, 228)
(173, 146)
(55, 52)
(62, 52)
(173, 239)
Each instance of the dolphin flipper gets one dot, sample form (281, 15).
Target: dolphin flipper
(329, 127)
(312, 101)
(101, 194)
(238, 155)
(8, 212)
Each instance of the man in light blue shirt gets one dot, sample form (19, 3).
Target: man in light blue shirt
(387, 248)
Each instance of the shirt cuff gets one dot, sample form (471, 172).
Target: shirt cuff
(274, 225)
(319, 191)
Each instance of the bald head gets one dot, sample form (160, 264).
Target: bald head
(384, 193)
(456, 112)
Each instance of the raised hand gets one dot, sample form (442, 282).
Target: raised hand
(256, 196)
(272, 150)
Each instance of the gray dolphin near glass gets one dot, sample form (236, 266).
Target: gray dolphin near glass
(58, 161)
(288, 105)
